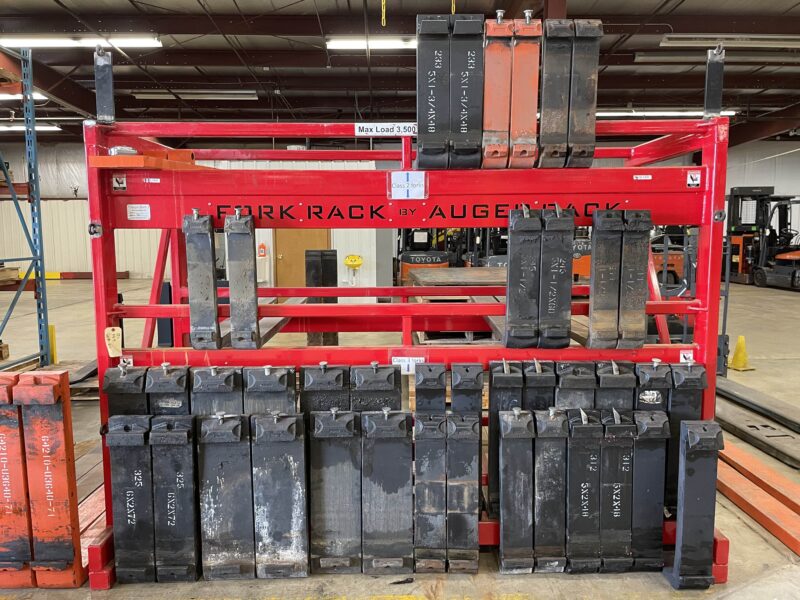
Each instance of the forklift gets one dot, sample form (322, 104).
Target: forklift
(761, 253)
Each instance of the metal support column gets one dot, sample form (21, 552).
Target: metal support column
(33, 236)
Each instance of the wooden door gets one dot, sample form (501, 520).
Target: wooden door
(290, 253)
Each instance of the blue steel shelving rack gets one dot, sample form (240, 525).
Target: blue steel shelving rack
(33, 235)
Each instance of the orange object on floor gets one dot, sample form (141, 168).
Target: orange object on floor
(769, 480)
(15, 519)
(525, 93)
(769, 512)
(49, 453)
(497, 93)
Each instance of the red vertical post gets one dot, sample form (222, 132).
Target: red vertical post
(709, 246)
(155, 289)
(50, 459)
(104, 265)
(408, 335)
(177, 255)
(655, 294)
(405, 158)
(15, 518)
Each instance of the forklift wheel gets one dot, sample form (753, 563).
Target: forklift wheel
(760, 278)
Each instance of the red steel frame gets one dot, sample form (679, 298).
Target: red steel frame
(675, 195)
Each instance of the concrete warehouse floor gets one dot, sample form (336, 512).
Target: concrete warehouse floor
(759, 564)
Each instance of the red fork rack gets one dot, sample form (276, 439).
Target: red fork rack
(157, 193)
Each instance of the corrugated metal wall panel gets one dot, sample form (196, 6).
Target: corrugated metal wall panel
(773, 164)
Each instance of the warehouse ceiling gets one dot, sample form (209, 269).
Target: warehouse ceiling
(267, 59)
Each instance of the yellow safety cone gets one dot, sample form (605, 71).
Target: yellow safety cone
(738, 361)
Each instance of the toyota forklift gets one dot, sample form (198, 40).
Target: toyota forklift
(765, 249)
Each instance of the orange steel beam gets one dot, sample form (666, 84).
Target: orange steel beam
(15, 518)
(47, 422)
(525, 93)
(769, 512)
(141, 161)
(497, 93)
(772, 482)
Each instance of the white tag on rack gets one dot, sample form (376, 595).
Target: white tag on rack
(407, 363)
(687, 356)
(113, 336)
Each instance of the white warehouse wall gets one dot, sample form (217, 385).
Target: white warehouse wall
(775, 164)
(65, 215)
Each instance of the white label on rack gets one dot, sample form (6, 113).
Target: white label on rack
(138, 212)
(119, 182)
(407, 185)
(642, 177)
(385, 129)
(407, 363)
(687, 356)
(693, 179)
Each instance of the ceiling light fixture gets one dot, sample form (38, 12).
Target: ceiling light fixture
(731, 57)
(632, 112)
(693, 40)
(196, 95)
(36, 96)
(378, 42)
(22, 128)
(113, 41)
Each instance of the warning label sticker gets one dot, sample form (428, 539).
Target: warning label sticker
(693, 179)
(138, 212)
(119, 182)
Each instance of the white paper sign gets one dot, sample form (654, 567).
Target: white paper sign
(407, 185)
(407, 363)
(113, 337)
(138, 212)
(385, 129)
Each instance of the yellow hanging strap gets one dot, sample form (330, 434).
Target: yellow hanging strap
(383, 13)
(453, 6)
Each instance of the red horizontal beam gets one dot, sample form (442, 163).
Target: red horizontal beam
(664, 147)
(299, 356)
(382, 292)
(455, 323)
(232, 130)
(323, 130)
(254, 154)
(358, 199)
(366, 311)
(613, 152)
